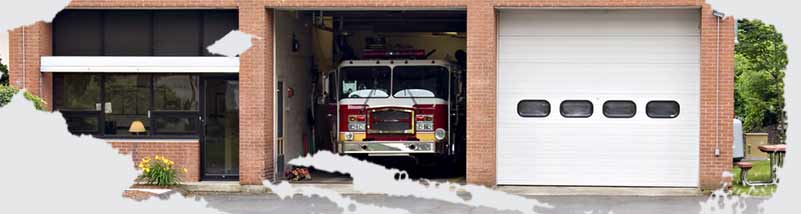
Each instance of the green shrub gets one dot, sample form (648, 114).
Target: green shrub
(6, 92)
(159, 171)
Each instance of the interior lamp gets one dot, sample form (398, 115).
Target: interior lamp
(137, 127)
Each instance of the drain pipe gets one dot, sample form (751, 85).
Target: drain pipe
(720, 16)
(24, 73)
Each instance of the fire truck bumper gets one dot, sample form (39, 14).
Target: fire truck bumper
(392, 147)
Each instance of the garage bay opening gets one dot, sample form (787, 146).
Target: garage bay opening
(383, 86)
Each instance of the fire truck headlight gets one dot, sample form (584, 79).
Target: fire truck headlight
(440, 134)
(348, 136)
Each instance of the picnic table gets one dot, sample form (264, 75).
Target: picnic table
(776, 155)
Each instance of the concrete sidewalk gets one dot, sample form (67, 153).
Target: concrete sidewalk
(347, 189)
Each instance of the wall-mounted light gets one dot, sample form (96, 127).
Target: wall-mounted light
(718, 14)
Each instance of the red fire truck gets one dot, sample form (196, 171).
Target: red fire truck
(393, 107)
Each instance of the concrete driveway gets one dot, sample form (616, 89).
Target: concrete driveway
(267, 203)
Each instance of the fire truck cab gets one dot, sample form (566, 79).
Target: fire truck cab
(391, 107)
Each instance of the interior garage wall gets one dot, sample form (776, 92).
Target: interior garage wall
(293, 68)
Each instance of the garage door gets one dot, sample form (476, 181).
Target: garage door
(598, 97)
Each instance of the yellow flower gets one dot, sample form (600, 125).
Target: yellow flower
(185, 171)
(147, 170)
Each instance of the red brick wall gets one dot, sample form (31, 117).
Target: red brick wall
(256, 97)
(712, 167)
(184, 154)
(256, 73)
(481, 80)
(37, 43)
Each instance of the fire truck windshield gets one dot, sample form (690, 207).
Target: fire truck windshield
(420, 81)
(366, 81)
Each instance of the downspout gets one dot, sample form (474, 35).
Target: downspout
(719, 16)
(24, 74)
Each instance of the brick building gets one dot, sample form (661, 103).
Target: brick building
(81, 70)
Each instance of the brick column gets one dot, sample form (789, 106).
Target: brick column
(712, 167)
(256, 96)
(37, 43)
(481, 86)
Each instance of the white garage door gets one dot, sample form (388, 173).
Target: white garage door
(589, 57)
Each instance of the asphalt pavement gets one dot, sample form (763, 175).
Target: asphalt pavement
(239, 203)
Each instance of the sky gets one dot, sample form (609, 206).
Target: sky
(4, 47)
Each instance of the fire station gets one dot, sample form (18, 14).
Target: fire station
(520, 92)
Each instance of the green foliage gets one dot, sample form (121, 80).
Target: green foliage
(6, 92)
(3, 73)
(760, 62)
(159, 171)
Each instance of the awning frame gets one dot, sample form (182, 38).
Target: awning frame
(138, 64)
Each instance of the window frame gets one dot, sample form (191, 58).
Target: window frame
(562, 112)
(530, 116)
(603, 109)
(678, 109)
(153, 114)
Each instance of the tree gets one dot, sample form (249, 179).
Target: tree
(760, 62)
(3, 73)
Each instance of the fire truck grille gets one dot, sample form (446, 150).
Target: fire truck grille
(392, 121)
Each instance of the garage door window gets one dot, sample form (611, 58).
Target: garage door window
(662, 109)
(576, 109)
(533, 108)
(620, 109)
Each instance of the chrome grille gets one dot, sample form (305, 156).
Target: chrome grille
(390, 121)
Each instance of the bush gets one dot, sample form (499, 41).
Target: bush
(6, 92)
(159, 171)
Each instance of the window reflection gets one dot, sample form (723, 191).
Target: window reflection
(127, 101)
(77, 92)
(176, 92)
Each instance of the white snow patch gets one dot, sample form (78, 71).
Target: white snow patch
(232, 44)
(49, 170)
(371, 178)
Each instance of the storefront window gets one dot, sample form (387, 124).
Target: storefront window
(77, 97)
(132, 105)
(176, 93)
(127, 102)
(77, 92)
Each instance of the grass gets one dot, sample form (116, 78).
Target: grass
(760, 172)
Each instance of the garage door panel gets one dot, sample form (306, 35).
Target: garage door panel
(616, 77)
(595, 50)
(599, 22)
(600, 56)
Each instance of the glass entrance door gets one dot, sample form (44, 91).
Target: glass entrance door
(220, 128)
